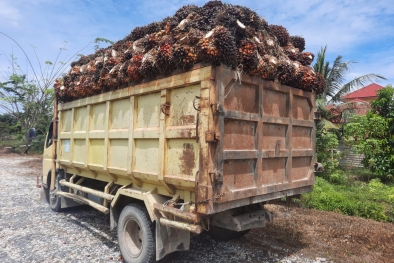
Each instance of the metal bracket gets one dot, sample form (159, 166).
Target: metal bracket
(317, 115)
(217, 108)
(217, 177)
(212, 136)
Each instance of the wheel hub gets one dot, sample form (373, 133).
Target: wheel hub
(133, 237)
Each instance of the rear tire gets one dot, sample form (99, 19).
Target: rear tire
(136, 235)
(223, 234)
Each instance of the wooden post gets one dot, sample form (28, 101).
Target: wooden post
(54, 143)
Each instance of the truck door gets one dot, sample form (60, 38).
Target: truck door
(47, 155)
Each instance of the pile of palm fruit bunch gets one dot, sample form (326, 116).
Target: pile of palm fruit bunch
(216, 33)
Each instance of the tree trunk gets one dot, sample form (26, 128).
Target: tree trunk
(27, 143)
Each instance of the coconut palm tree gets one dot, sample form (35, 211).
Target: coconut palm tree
(337, 86)
(335, 76)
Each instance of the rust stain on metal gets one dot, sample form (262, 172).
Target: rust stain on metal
(187, 159)
(188, 119)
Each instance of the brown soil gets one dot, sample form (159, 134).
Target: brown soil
(35, 164)
(337, 237)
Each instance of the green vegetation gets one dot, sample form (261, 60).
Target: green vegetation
(373, 200)
(355, 192)
(373, 135)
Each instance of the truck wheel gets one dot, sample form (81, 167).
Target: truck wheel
(223, 234)
(54, 199)
(136, 235)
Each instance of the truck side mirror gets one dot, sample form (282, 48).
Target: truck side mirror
(32, 133)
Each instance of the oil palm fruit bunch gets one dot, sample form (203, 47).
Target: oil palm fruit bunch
(210, 11)
(133, 70)
(184, 57)
(168, 24)
(215, 33)
(153, 28)
(194, 36)
(208, 52)
(228, 17)
(280, 33)
(269, 70)
(164, 60)
(71, 92)
(320, 84)
(184, 11)
(137, 33)
(123, 77)
(251, 18)
(305, 58)
(291, 51)
(312, 81)
(60, 89)
(86, 84)
(286, 72)
(298, 42)
(148, 67)
(248, 56)
(225, 43)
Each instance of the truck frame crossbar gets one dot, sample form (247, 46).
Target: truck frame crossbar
(178, 213)
(180, 225)
(87, 190)
(85, 201)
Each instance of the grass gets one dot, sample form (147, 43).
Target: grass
(352, 196)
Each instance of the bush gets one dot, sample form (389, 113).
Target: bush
(326, 150)
(373, 200)
(337, 177)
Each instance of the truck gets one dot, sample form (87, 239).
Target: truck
(202, 150)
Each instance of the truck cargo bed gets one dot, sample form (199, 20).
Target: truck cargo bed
(213, 136)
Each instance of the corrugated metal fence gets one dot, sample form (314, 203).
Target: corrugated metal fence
(349, 156)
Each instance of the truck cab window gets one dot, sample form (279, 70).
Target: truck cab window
(49, 136)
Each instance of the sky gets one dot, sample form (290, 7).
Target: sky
(359, 30)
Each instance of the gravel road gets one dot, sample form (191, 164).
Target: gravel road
(32, 232)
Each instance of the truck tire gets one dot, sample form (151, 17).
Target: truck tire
(136, 235)
(55, 200)
(223, 234)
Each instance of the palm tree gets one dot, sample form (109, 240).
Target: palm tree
(336, 77)
(337, 86)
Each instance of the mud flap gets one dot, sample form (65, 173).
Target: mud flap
(170, 239)
(43, 198)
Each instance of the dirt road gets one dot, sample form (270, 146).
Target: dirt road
(31, 232)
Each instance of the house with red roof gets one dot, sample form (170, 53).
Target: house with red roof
(367, 94)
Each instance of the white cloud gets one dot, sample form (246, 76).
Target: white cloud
(9, 15)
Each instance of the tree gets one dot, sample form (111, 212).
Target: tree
(335, 76)
(27, 103)
(373, 135)
(335, 113)
(29, 97)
